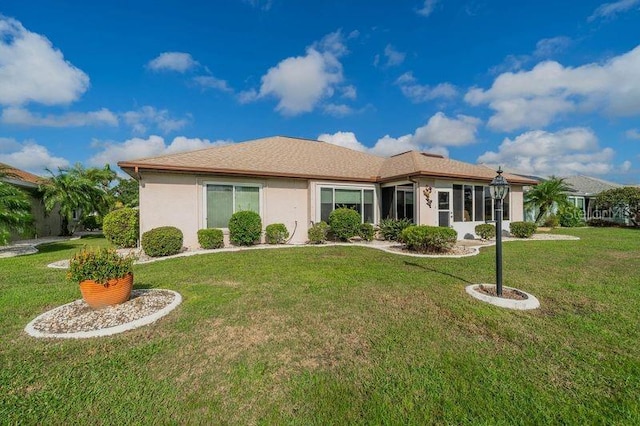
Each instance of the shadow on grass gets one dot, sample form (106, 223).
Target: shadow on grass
(53, 247)
(464, 280)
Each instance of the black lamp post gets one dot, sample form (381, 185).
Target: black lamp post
(499, 188)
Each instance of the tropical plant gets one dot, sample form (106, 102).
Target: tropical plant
(553, 221)
(391, 229)
(625, 199)
(99, 265)
(76, 188)
(345, 223)
(486, 231)
(15, 209)
(367, 231)
(571, 216)
(162, 241)
(318, 233)
(276, 233)
(125, 193)
(547, 193)
(210, 238)
(121, 227)
(429, 239)
(245, 228)
(522, 229)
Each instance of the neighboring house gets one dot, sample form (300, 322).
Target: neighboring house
(585, 191)
(44, 225)
(298, 182)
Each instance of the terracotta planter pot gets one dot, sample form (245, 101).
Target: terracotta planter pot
(116, 291)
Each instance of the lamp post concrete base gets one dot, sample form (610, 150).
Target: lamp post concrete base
(529, 301)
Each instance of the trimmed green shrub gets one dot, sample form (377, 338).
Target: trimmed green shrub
(602, 223)
(429, 239)
(210, 238)
(522, 229)
(571, 216)
(162, 241)
(318, 233)
(551, 221)
(486, 231)
(91, 222)
(344, 223)
(367, 231)
(245, 228)
(391, 229)
(276, 233)
(121, 227)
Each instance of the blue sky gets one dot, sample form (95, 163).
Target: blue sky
(537, 86)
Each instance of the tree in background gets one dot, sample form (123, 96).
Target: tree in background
(125, 193)
(625, 199)
(77, 189)
(15, 208)
(544, 195)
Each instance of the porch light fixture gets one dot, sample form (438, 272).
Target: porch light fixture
(499, 188)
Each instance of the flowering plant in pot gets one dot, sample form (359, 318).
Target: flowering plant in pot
(105, 277)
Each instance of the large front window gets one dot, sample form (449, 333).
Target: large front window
(473, 203)
(360, 200)
(223, 200)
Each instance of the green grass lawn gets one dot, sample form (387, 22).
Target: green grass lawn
(326, 335)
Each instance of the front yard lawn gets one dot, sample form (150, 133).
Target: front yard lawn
(326, 335)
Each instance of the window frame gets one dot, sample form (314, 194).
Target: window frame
(461, 203)
(361, 188)
(205, 184)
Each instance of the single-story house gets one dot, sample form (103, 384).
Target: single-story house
(44, 225)
(298, 182)
(584, 191)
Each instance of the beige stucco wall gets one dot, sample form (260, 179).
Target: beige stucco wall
(179, 200)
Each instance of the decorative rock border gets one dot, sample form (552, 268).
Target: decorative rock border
(108, 331)
(531, 302)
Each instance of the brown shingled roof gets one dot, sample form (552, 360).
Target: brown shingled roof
(302, 158)
(20, 175)
(414, 163)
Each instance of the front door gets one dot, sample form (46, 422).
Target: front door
(444, 207)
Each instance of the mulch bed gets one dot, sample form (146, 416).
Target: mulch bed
(507, 293)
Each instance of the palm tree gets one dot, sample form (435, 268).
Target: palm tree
(15, 208)
(73, 189)
(547, 193)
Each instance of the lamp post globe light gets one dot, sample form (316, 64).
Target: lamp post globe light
(499, 188)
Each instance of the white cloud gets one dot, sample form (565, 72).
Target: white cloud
(443, 131)
(300, 83)
(147, 116)
(632, 134)
(136, 148)
(31, 157)
(625, 166)
(349, 92)
(439, 132)
(538, 97)
(172, 61)
(566, 152)
(394, 57)
(428, 7)
(610, 10)
(337, 110)
(23, 117)
(211, 82)
(422, 93)
(548, 47)
(32, 70)
(345, 139)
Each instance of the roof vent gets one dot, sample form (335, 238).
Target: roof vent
(428, 154)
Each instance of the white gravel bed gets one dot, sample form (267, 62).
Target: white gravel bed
(79, 320)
